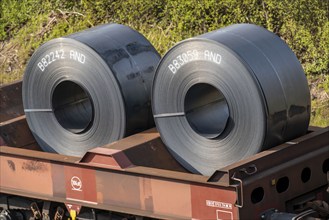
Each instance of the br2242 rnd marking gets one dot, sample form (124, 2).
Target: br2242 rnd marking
(55, 55)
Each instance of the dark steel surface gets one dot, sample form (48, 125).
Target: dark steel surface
(89, 89)
(11, 101)
(133, 60)
(261, 97)
(280, 77)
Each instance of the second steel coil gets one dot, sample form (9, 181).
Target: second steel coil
(228, 94)
(89, 89)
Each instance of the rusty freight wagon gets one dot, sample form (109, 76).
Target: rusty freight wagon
(136, 178)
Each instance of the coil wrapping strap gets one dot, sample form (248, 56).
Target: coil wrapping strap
(228, 94)
(89, 88)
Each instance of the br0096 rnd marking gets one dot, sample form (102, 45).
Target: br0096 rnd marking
(217, 204)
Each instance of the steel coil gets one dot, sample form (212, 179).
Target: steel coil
(89, 88)
(228, 94)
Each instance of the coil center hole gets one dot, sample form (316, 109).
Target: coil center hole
(206, 110)
(72, 107)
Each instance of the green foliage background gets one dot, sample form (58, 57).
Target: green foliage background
(303, 24)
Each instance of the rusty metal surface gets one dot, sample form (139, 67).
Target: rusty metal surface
(161, 193)
(14, 130)
(276, 156)
(137, 190)
(275, 177)
(11, 101)
(284, 183)
(142, 149)
(101, 157)
(16, 133)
